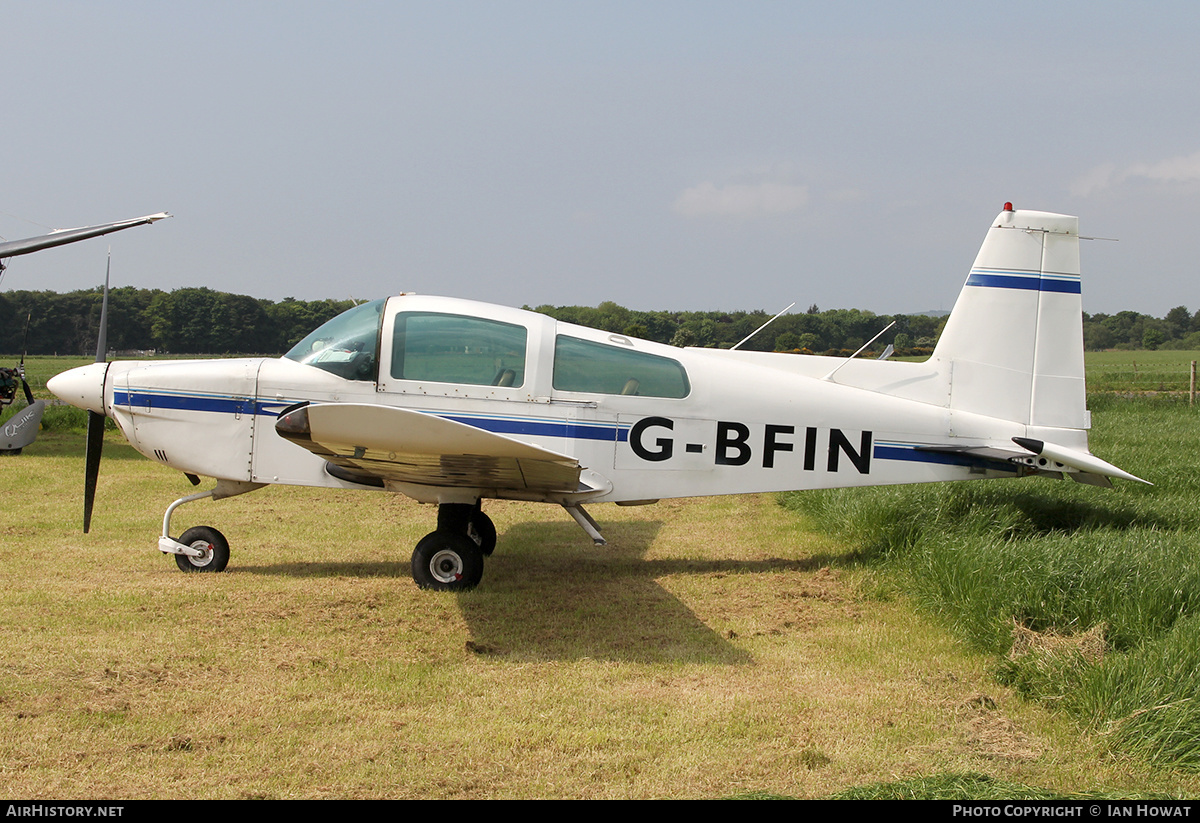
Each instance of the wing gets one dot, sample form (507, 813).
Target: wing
(61, 237)
(390, 443)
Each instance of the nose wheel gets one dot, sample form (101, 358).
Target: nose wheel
(212, 548)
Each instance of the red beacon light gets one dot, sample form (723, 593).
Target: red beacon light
(1008, 207)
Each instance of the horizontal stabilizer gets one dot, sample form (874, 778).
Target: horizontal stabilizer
(1074, 458)
(1046, 457)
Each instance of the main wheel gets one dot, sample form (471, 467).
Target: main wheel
(212, 543)
(482, 532)
(447, 561)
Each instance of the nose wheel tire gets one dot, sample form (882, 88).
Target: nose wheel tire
(447, 561)
(211, 542)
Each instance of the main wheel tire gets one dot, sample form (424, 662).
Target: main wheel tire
(212, 543)
(447, 562)
(482, 531)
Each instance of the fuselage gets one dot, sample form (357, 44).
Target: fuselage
(644, 420)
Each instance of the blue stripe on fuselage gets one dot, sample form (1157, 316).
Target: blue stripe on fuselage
(895, 451)
(188, 402)
(545, 428)
(242, 405)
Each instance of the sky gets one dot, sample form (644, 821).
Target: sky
(662, 155)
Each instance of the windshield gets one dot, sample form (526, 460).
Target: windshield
(348, 345)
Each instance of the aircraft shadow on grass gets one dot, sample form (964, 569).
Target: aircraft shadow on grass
(551, 596)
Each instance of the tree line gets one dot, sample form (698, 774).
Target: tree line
(814, 331)
(183, 321)
(843, 331)
(204, 321)
(1178, 329)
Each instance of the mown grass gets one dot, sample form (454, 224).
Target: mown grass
(712, 649)
(1060, 560)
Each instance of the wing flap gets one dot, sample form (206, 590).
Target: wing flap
(413, 447)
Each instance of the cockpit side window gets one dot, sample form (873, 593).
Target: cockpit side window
(584, 366)
(454, 348)
(348, 345)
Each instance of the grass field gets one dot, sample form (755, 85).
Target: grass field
(716, 648)
(1160, 370)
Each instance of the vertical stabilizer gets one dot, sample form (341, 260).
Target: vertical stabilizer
(1013, 345)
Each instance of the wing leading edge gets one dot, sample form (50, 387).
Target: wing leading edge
(393, 444)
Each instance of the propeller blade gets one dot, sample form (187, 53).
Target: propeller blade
(102, 338)
(95, 430)
(95, 445)
(21, 366)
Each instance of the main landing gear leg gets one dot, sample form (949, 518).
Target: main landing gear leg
(451, 558)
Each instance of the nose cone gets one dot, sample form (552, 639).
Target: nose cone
(82, 387)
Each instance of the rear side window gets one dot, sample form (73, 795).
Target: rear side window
(454, 348)
(584, 366)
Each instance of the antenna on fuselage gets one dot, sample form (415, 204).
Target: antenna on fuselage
(763, 326)
(860, 351)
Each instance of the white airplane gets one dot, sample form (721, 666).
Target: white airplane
(21, 429)
(452, 402)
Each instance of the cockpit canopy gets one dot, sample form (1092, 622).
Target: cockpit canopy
(347, 345)
(429, 346)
